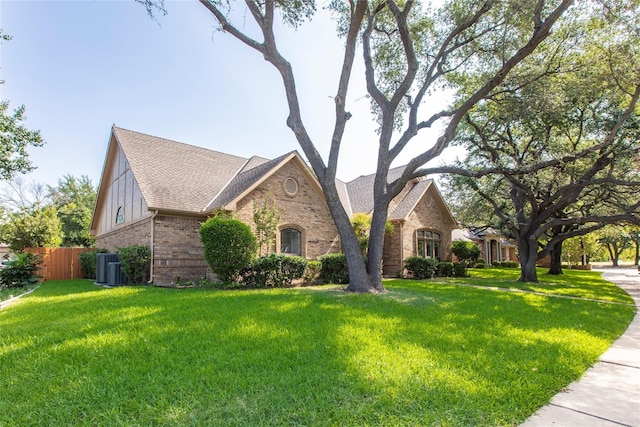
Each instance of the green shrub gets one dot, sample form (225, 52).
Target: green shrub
(496, 264)
(334, 268)
(275, 270)
(510, 264)
(88, 262)
(229, 247)
(312, 272)
(467, 252)
(460, 269)
(444, 269)
(479, 265)
(136, 263)
(421, 268)
(20, 271)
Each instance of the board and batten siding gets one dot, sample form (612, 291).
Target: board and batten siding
(122, 191)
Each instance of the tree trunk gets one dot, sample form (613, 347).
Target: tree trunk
(555, 266)
(528, 251)
(613, 253)
(375, 249)
(359, 280)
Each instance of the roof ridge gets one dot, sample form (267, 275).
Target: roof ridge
(173, 141)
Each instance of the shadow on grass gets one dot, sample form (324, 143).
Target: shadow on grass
(420, 354)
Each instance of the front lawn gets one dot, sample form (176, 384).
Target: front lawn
(425, 353)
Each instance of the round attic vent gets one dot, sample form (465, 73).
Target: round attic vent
(291, 186)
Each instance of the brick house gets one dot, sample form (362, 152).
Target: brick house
(157, 192)
(493, 245)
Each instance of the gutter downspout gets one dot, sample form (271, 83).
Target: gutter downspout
(153, 244)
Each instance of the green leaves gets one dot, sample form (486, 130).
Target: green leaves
(15, 138)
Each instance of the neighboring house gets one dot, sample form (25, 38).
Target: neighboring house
(157, 192)
(493, 245)
(422, 221)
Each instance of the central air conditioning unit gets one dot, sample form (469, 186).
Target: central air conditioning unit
(116, 277)
(102, 266)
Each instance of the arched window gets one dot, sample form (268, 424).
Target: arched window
(428, 244)
(120, 216)
(291, 241)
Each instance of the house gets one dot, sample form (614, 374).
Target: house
(157, 192)
(422, 221)
(493, 245)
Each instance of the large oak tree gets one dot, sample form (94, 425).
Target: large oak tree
(408, 50)
(554, 152)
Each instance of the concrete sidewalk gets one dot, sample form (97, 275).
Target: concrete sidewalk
(608, 394)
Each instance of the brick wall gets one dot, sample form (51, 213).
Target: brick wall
(137, 233)
(428, 214)
(178, 252)
(305, 210)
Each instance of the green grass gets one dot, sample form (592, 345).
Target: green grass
(572, 283)
(6, 293)
(425, 353)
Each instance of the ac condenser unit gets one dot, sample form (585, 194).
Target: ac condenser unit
(116, 277)
(102, 264)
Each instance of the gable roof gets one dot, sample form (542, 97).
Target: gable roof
(178, 177)
(173, 175)
(411, 199)
(245, 180)
(360, 195)
(360, 190)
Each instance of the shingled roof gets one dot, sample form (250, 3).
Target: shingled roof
(361, 190)
(179, 177)
(173, 175)
(244, 180)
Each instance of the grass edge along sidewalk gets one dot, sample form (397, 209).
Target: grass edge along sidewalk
(425, 353)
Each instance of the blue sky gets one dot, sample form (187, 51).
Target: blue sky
(81, 66)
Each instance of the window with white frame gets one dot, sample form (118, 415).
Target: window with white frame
(428, 244)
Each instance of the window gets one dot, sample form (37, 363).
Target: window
(291, 241)
(291, 186)
(120, 216)
(428, 243)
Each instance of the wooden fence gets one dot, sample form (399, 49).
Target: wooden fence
(60, 263)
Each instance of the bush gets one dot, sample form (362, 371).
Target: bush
(276, 270)
(312, 272)
(510, 264)
(421, 268)
(467, 252)
(479, 265)
(496, 264)
(88, 262)
(444, 269)
(136, 263)
(460, 269)
(334, 268)
(20, 271)
(229, 247)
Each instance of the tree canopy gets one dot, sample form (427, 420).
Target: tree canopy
(554, 152)
(410, 51)
(15, 138)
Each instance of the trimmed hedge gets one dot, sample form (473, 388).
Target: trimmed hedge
(426, 268)
(229, 247)
(421, 268)
(334, 268)
(274, 270)
(136, 263)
